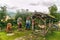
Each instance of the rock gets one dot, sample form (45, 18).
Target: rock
(10, 34)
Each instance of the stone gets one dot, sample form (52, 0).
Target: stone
(10, 34)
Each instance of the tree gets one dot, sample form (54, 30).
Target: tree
(2, 16)
(17, 14)
(3, 13)
(53, 9)
(22, 14)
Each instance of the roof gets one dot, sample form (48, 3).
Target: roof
(42, 15)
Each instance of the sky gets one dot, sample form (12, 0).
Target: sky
(38, 5)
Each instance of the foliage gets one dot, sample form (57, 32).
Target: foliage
(53, 9)
(12, 21)
(57, 15)
(23, 15)
(3, 13)
(2, 24)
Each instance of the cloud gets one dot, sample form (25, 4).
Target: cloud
(47, 4)
(39, 5)
(34, 4)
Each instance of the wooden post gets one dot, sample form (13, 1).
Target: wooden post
(52, 22)
(49, 24)
(45, 27)
(45, 22)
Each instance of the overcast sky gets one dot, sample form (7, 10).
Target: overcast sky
(39, 5)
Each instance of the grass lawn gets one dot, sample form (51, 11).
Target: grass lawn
(54, 36)
(3, 35)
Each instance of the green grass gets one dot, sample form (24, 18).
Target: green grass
(3, 35)
(53, 36)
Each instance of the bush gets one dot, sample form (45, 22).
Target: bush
(12, 21)
(2, 24)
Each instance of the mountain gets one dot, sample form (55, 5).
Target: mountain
(11, 14)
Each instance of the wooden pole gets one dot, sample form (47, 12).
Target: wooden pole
(49, 24)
